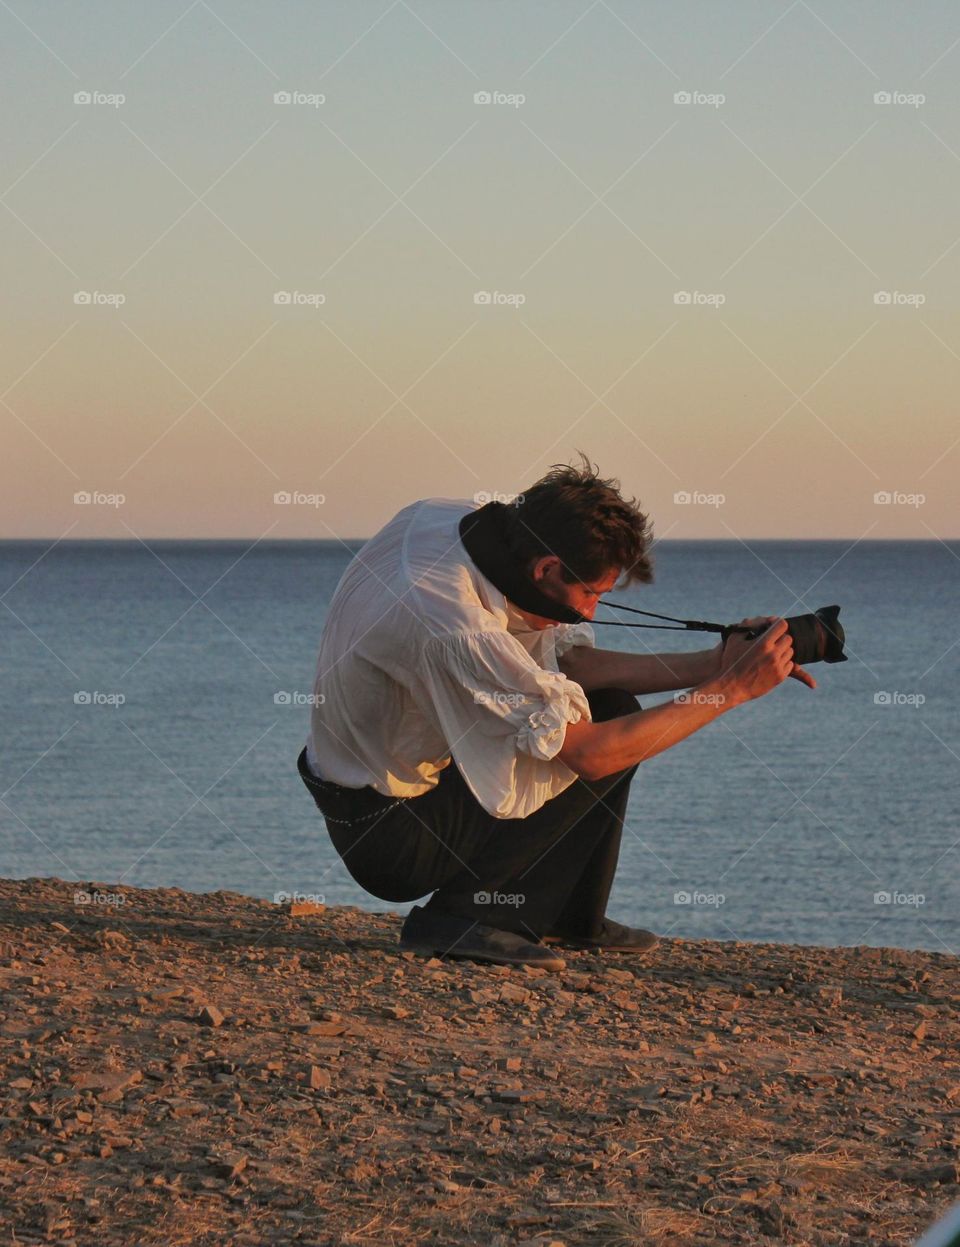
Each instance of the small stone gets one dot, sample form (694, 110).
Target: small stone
(510, 1063)
(210, 1015)
(163, 994)
(935, 1175)
(305, 909)
(107, 1082)
(323, 1028)
(318, 1079)
(230, 1167)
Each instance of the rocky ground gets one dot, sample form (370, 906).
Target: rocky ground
(184, 1069)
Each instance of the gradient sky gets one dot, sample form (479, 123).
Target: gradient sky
(798, 198)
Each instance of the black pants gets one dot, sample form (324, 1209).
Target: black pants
(548, 873)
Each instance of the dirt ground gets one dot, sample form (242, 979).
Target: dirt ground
(186, 1069)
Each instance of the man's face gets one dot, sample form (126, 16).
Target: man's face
(582, 597)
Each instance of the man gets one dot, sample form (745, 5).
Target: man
(469, 740)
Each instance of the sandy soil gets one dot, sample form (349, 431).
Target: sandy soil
(209, 1069)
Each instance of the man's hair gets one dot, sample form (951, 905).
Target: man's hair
(582, 519)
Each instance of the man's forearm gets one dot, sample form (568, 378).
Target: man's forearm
(604, 748)
(637, 673)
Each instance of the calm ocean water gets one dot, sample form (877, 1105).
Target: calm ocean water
(808, 817)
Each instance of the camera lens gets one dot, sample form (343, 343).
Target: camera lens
(818, 637)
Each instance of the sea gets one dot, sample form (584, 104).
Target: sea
(156, 697)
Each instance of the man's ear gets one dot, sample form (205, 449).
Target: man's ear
(543, 565)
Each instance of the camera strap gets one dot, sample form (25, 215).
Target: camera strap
(675, 625)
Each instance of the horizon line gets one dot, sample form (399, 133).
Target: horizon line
(264, 541)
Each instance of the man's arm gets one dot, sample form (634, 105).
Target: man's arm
(748, 669)
(638, 673)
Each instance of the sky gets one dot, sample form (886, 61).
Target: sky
(275, 272)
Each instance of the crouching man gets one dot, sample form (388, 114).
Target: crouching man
(469, 742)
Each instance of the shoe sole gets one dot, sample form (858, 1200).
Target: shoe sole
(585, 946)
(431, 950)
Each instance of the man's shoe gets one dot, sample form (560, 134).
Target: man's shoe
(614, 937)
(452, 935)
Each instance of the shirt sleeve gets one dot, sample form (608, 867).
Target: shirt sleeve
(504, 718)
(568, 635)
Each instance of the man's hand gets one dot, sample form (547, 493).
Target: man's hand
(759, 621)
(804, 676)
(751, 668)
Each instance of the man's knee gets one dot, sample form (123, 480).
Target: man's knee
(611, 703)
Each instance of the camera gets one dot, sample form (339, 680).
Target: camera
(816, 638)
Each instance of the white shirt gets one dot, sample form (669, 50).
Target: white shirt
(422, 657)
